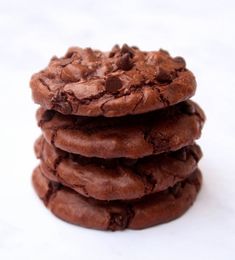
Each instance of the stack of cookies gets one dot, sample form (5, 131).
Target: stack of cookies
(117, 148)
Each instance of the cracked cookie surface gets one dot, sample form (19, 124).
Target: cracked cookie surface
(131, 136)
(123, 81)
(151, 210)
(116, 179)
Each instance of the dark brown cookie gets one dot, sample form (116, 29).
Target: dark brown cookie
(116, 215)
(124, 81)
(132, 136)
(117, 179)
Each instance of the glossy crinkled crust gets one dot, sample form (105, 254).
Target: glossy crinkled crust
(136, 136)
(123, 81)
(120, 178)
(154, 209)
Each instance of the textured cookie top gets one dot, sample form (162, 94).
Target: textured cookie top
(123, 81)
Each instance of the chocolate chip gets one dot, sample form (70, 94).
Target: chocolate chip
(163, 76)
(118, 221)
(164, 51)
(135, 47)
(181, 61)
(53, 58)
(113, 84)
(124, 62)
(114, 50)
(126, 49)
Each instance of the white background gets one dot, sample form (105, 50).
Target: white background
(202, 32)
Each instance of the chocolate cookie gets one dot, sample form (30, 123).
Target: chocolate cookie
(137, 136)
(117, 179)
(116, 215)
(123, 81)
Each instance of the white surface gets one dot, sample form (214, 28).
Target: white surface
(202, 32)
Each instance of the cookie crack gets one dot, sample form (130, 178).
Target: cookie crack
(42, 81)
(59, 159)
(103, 104)
(53, 136)
(147, 179)
(74, 186)
(159, 143)
(147, 135)
(176, 190)
(61, 97)
(173, 178)
(121, 218)
(41, 149)
(164, 100)
(61, 102)
(81, 187)
(60, 179)
(138, 102)
(195, 156)
(53, 187)
(85, 101)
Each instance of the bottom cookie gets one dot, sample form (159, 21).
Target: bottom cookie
(151, 210)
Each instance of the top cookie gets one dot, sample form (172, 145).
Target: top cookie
(123, 81)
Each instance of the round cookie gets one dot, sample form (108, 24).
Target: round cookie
(132, 136)
(117, 179)
(151, 210)
(123, 81)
